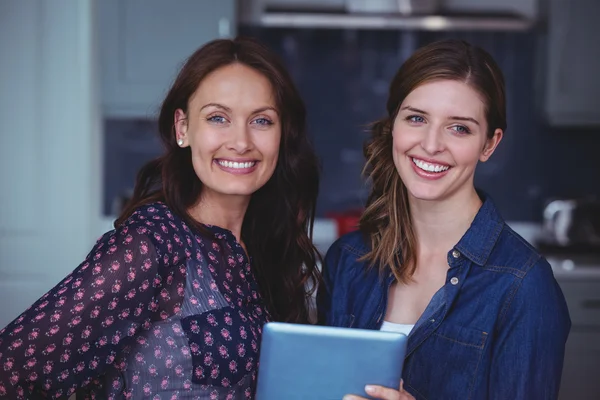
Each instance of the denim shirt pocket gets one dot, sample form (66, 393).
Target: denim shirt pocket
(461, 349)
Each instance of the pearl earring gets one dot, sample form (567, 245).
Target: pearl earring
(180, 142)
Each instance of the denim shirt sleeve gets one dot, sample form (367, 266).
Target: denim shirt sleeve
(529, 349)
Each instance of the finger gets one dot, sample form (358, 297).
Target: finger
(382, 393)
(353, 397)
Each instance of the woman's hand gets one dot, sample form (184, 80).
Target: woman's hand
(382, 393)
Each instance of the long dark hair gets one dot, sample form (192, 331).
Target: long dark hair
(278, 224)
(386, 220)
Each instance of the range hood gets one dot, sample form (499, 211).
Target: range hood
(430, 15)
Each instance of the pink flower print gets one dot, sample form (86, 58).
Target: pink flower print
(77, 308)
(32, 377)
(249, 364)
(147, 265)
(128, 256)
(243, 333)
(55, 316)
(112, 239)
(116, 338)
(131, 275)
(30, 350)
(166, 259)
(176, 259)
(196, 284)
(108, 321)
(68, 339)
(14, 378)
(85, 266)
(225, 382)
(214, 395)
(79, 367)
(164, 228)
(30, 363)
(43, 305)
(157, 281)
(87, 331)
(158, 238)
(2, 390)
(195, 348)
(187, 384)
(130, 294)
(116, 287)
(228, 319)
(212, 257)
(141, 230)
(39, 316)
(152, 370)
(214, 371)
(111, 250)
(53, 330)
(147, 389)
(114, 266)
(208, 359)
(141, 340)
(228, 275)
(103, 341)
(77, 283)
(169, 247)
(231, 261)
(135, 379)
(84, 348)
(124, 313)
(63, 375)
(171, 342)
(97, 269)
(194, 327)
(139, 358)
(128, 239)
(97, 255)
(111, 357)
(164, 294)
(199, 372)
(164, 383)
(177, 239)
(240, 258)
(98, 295)
(210, 318)
(233, 366)
(241, 350)
(75, 321)
(215, 247)
(187, 253)
(49, 349)
(179, 371)
(95, 313)
(226, 334)
(158, 353)
(254, 345)
(211, 301)
(169, 361)
(145, 285)
(223, 352)
(185, 351)
(208, 339)
(194, 300)
(143, 247)
(157, 332)
(226, 286)
(47, 369)
(138, 311)
(65, 356)
(152, 209)
(9, 364)
(177, 329)
(35, 332)
(94, 363)
(213, 285)
(170, 280)
(188, 239)
(243, 316)
(229, 396)
(79, 294)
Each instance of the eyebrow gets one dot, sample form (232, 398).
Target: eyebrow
(227, 109)
(456, 118)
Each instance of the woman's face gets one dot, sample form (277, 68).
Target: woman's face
(233, 129)
(439, 136)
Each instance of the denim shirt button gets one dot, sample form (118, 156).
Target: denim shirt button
(454, 280)
(455, 253)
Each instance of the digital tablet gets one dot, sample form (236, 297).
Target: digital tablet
(318, 362)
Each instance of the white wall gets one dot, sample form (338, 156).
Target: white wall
(50, 147)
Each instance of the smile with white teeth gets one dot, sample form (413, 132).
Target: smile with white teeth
(425, 166)
(237, 165)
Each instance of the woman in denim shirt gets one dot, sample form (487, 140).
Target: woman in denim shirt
(433, 257)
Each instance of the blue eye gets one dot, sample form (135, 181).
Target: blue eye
(461, 129)
(263, 121)
(217, 119)
(415, 118)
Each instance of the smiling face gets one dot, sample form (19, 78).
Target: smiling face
(233, 129)
(439, 136)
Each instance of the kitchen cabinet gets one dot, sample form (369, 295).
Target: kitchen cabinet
(143, 43)
(573, 62)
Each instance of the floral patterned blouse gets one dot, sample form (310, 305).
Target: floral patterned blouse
(156, 311)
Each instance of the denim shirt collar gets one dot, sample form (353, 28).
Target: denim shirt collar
(479, 240)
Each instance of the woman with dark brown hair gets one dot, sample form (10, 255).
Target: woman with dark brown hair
(214, 243)
(433, 258)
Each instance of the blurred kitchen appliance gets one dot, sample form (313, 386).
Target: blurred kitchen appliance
(572, 223)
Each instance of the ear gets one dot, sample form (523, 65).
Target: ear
(490, 145)
(181, 128)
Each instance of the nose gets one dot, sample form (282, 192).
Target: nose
(433, 142)
(240, 140)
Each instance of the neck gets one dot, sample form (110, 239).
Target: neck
(439, 225)
(225, 212)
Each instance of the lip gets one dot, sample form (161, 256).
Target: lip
(237, 171)
(430, 161)
(431, 176)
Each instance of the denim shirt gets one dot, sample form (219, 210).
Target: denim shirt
(495, 330)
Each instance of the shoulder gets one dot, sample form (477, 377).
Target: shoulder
(513, 254)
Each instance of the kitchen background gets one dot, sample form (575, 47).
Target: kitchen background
(82, 83)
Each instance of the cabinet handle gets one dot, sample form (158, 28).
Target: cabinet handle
(591, 303)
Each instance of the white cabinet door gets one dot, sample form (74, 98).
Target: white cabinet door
(143, 43)
(49, 146)
(573, 82)
(582, 364)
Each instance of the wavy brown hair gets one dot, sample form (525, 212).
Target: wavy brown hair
(278, 223)
(387, 219)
